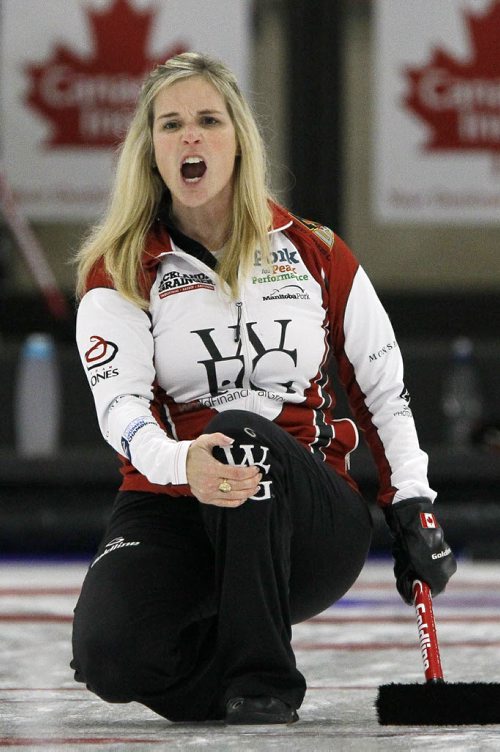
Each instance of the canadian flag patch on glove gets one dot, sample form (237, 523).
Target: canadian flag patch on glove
(428, 520)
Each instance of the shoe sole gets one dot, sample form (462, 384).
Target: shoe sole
(261, 719)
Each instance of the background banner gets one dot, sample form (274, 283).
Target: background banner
(437, 102)
(70, 74)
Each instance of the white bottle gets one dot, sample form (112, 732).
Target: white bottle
(462, 401)
(37, 401)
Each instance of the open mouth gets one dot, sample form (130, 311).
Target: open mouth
(193, 169)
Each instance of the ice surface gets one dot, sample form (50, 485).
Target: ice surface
(368, 638)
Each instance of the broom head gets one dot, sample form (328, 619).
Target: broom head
(438, 704)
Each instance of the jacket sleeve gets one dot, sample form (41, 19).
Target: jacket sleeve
(117, 352)
(371, 370)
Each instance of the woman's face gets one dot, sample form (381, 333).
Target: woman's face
(194, 143)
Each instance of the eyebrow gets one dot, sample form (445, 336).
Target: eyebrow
(199, 112)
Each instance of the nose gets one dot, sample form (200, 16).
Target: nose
(191, 133)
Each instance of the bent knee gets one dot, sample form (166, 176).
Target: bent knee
(242, 422)
(105, 668)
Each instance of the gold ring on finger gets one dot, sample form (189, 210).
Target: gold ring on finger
(225, 486)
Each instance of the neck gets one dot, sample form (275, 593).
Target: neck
(208, 226)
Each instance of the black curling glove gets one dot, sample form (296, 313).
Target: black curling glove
(420, 551)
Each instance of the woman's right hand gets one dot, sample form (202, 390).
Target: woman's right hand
(205, 474)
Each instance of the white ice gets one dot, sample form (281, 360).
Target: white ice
(367, 639)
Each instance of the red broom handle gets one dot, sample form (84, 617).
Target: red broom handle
(427, 634)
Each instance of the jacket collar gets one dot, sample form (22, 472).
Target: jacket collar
(164, 233)
(282, 219)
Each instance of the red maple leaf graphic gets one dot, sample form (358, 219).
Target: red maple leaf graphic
(460, 101)
(88, 101)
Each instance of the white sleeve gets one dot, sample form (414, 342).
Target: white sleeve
(372, 349)
(116, 348)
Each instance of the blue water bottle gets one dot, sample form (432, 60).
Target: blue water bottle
(37, 400)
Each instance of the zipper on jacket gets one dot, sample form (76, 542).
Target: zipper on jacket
(237, 328)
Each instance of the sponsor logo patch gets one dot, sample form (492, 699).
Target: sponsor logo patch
(113, 545)
(384, 350)
(442, 554)
(174, 282)
(405, 412)
(131, 431)
(285, 262)
(267, 277)
(287, 292)
(323, 233)
(98, 359)
(288, 256)
(100, 353)
(405, 395)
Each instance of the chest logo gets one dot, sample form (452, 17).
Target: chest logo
(286, 264)
(228, 371)
(174, 282)
(287, 292)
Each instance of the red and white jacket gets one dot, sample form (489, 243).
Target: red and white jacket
(158, 376)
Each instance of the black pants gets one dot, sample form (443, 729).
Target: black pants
(187, 605)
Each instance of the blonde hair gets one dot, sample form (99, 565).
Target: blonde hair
(138, 188)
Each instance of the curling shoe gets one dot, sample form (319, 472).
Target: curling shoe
(259, 710)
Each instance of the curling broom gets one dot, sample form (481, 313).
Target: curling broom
(435, 703)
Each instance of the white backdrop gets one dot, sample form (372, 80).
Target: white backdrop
(437, 135)
(70, 71)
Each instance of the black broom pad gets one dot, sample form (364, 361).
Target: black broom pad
(438, 704)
